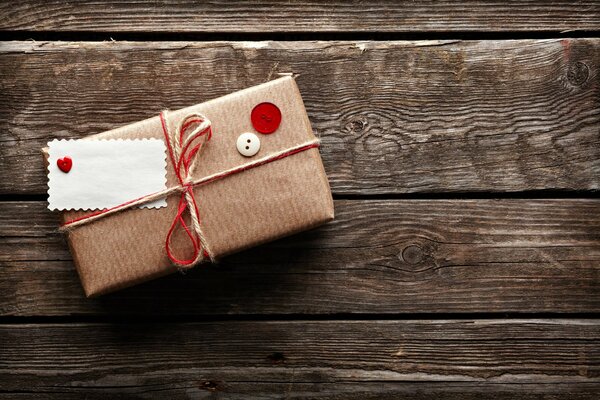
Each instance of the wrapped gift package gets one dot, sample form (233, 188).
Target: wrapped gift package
(139, 202)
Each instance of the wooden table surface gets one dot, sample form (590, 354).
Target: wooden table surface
(462, 143)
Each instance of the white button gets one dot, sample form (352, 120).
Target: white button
(248, 144)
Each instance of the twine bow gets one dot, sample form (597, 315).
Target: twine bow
(183, 149)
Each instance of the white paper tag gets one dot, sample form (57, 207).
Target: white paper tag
(105, 173)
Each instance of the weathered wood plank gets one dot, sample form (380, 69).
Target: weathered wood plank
(302, 16)
(199, 389)
(150, 359)
(394, 117)
(394, 256)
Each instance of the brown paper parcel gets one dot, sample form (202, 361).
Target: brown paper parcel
(236, 212)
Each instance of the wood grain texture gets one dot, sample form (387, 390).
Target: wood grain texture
(384, 256)
(244, 389)
(394, 117)
(299, 16)
(194, 359)
(197, 389)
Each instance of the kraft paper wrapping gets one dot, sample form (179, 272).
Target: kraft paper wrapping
(237, 212)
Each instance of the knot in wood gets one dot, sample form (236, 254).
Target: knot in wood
(276, 357)
(357, 124)
(578, 73)
(211, 386)
(413, 254)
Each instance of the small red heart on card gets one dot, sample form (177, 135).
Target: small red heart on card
(64, 164)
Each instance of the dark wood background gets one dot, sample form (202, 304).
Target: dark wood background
(462, 143)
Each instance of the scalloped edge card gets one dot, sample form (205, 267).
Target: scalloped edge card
(105, 173)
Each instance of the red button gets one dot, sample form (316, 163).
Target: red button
(64, 164)
(266, 117)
